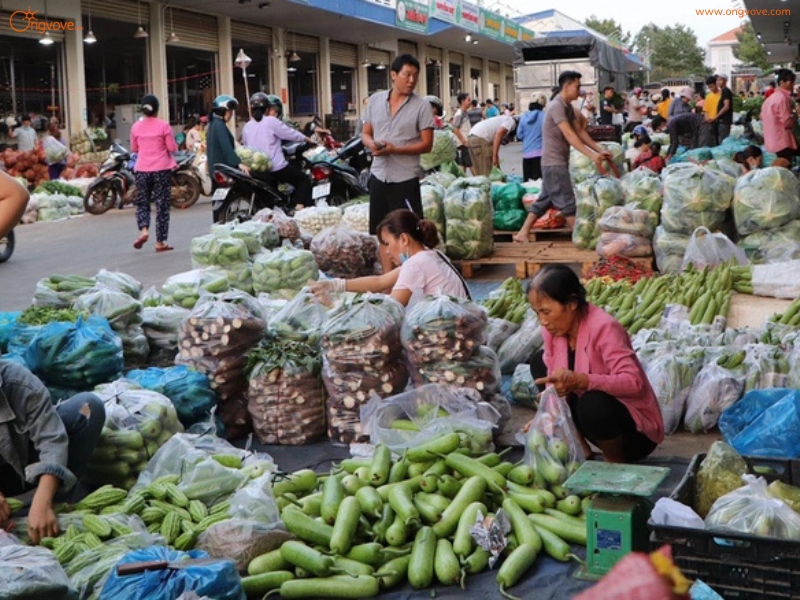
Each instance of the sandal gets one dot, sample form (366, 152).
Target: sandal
(141, 241)
(552, 219)
(166, 248)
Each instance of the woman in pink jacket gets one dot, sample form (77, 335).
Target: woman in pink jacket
(152, 139)
(589, 361)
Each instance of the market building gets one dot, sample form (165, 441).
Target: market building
(88, 62)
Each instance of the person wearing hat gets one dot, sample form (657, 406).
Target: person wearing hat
(634, 148)
(220, 147)
(635, 108)
(680, 104)
(724, 118)
(152, 140)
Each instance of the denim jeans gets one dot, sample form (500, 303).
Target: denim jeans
(83, 416)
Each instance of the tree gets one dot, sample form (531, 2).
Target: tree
(749, 50)
(610, 28)
(673, 51)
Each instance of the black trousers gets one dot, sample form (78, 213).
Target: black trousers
(600, 416)
(385, 197)
(531, 168)
(295, 177)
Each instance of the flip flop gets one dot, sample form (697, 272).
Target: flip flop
(164, 248)
(141, 241)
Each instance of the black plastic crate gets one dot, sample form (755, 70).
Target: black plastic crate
(736, 565)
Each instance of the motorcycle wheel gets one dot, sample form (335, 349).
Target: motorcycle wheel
(7, 246)
(237, 208)
(100, 199)
(185, 190)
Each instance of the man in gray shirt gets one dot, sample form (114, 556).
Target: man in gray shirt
(398, 127)
(25, 135)
(562, 128)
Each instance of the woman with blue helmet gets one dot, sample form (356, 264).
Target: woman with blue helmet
(220, 147)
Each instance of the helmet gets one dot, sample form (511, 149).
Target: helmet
(640, 130)
(276, 103)
(224, 103)
(539, 98)
(149, 104)
(637, 90)
(437, 104)
(259, 100)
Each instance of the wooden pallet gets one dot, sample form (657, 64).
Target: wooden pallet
(509, 253)
(536, 235)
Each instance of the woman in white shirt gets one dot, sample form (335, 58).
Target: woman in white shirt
(421, 270)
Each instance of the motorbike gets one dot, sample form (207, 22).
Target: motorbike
(357, 157)
(6, 246)
(116, 186)
(335, 180)
(321, 136)
(239, 196)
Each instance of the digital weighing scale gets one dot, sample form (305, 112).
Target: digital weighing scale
(616, 520)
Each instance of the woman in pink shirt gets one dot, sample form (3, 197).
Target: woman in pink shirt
(589, 361)
(152, 139)
(410, 244)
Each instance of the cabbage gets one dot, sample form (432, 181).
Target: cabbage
(433, 206)
(765, 199)
(693, 196)
(443, 150)
(594, 196)
(669, 249)
(256, 160)
(727, 166)
(773, 245)
(441, 178)
(642, 189)
(469, 218)
(581, 167)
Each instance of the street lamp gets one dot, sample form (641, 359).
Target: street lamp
(243, 61)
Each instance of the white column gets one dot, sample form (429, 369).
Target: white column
(280, 77)
(225, 74)
(487, 84)
(362, 87)
(158, 58)
(444, 73)
(422, 57)
(325, 96)
(77, 116)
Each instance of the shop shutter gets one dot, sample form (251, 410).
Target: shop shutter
(343, 54)
(247, 32)
(301, 43)
(375, 56)
(19, 23)
(126, 11)
(494, 71)
(406, 47)
(433, 53)
(456, 58)
(194, 30)
(477, 63)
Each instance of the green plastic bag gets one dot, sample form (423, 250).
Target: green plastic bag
(509, 197)
(496, 174)
(510, 220)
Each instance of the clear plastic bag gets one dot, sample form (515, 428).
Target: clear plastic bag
(119, 281)
(120, 309)
(623, 244)
(54, 151)
(523, 389)
(32, 572)
(671, 374)
(286, 270)
(626, 219)
(221, 251)
(764, 199)
(59, 291)
(593, 197)
(316, 218)
(498, 331)
(750, 509)
(184, 289)
(669, 249)
(778, 280)
(242, 539)
(481, 372)
(341, 251)
(435, 410)
(711, 249)
(714, 389)
(433, 205)
(766, 366)
(720, 473)
(552, 443)
(287, 227)
(520, 345)
(256, 235)
(160, 325)
(443, 328)
(300, 320)
(469, 216)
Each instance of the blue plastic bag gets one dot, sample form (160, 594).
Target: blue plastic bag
(217, 579)
(76, 355)
(20, 336)
(7, 322)
(764, 423)
(190, 391)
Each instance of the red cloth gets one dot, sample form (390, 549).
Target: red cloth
(632, 578)
(603, 351)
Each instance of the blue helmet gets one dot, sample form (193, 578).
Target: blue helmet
(640, 130)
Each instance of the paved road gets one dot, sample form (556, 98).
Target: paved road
(85, 244)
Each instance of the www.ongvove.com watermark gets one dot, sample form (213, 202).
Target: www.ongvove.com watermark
(26, 20)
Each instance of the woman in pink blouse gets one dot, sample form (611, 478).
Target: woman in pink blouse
(589, 361)
(152, 139)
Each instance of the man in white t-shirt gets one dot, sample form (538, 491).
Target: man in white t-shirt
(462, 126)
(484, 142)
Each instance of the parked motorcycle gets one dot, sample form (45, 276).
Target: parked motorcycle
(335, 180)
(239, 196)
(358, 157)
(116, 186)
(6, 246)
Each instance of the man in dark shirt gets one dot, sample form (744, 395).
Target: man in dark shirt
(475, 113)
(724, 118)
(683, 129)
(607, 108)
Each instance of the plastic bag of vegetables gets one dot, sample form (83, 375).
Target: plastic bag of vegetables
(257, 235)
(240, 277)
(669, 249)
(582, 167)
(433, 205)
(627, 219)
(256, 160)
(32, 572)
(316, 218)
(286, 398)
(671, 374)
(75, 355)
(357, 217)
(442, 178)
(727, 166)
(285, 269)
(119, 281)
(642, 190)
(623, 244)
(221, 251)
(695, 196)
(299, 321)
(752, 510)
(715, 388)
(523, 390)
(708, 249)
(188, 390)
(469, 218)
(184, 289)
(593, 197)
(341, 251)
(443, 150)
(7, 322)
(443, 328)
(774, 245)
(428, 412)
(60, 291)
(481, 372)
(120, 309)
(520, 345)
(287, 227)
(138, 423)
(764, 199)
